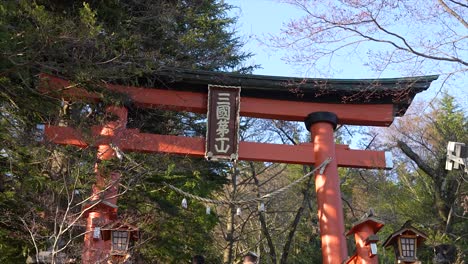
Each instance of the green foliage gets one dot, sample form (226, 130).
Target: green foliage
(450, 121)
(12, 248)
(88, 19)
(89, 42)
(419, 188)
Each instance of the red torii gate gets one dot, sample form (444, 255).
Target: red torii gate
(322, 103)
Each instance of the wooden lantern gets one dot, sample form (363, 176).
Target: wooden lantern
(405, 243)
(121, 236)
(120, 239)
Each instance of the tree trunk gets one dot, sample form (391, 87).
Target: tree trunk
(228, 251)
(287, 246)
(263, 223)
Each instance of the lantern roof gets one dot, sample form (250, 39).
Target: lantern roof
(398, 91)
(119, 225)
(370, 221)
(89, 206)
(407, 229)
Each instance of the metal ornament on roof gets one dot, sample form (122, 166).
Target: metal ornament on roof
(222, 133)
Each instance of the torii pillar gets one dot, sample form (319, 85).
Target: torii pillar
(327, 186)
(102, 208)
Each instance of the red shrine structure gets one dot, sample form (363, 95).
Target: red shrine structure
(321, 103)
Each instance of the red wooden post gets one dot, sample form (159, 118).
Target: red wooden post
(362, 247)
(327, 186)
(102, 209)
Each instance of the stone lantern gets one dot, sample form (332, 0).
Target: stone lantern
(405, 243)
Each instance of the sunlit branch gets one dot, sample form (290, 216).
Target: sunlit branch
(453, 13)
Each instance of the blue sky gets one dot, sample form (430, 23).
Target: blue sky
(258, 18)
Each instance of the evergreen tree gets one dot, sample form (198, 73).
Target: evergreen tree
(89, 42)
(419, 188)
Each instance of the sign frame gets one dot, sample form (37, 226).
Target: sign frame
(222, 123)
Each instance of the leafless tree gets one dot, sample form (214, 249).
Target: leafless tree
(413, 37)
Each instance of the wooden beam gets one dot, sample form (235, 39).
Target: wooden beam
(348, 114)
(133, 141)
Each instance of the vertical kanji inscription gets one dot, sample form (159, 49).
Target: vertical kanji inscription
(222, 122)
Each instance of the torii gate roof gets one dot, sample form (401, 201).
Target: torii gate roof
(397, 91)
(356, 102)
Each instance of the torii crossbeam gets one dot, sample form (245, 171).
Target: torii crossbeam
(321, 103)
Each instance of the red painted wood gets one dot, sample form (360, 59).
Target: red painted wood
(97, 250)
(362, 231)
(327, 187)
(132, 140)
(348, 114)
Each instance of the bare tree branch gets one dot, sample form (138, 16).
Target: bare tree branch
(415, 157)
(261, 217)
(297, 218)
(453, 13)
(458, 3)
